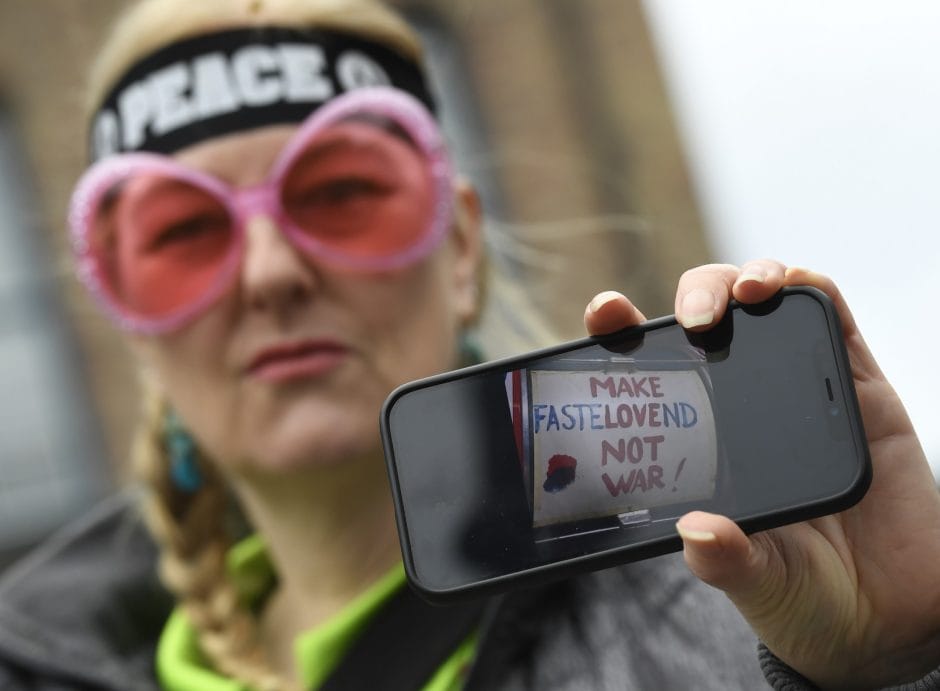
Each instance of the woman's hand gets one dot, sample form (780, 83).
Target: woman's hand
(848, 600)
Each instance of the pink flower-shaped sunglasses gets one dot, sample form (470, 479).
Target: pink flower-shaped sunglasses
(364, 184)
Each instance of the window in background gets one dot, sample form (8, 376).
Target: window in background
(52, 463)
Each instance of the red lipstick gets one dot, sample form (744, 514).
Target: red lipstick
(296, 360)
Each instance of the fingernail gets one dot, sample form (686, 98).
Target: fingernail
(700, 536)
(752, 274)
(698, 308)
(602, 299)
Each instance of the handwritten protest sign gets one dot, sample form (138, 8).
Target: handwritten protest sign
(604, 443)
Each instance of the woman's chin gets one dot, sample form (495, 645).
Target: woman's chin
(315, 450)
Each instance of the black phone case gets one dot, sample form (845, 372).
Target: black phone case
(638, 551)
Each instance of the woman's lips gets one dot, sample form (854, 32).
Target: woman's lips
(287, 361)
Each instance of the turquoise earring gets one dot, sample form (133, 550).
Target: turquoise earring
(470, 351)
(184, 469)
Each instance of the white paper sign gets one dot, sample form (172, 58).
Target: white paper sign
(610, 443)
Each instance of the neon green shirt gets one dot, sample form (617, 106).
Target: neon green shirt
(182, 667)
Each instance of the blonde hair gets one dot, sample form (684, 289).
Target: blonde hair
(191, 529)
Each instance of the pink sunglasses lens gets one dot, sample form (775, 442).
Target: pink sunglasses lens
(160, 243)
(360, 190)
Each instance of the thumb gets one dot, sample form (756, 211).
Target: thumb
(718, 552)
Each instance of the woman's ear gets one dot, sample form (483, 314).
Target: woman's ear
(468, 244)
(142, 351)
(146, 358)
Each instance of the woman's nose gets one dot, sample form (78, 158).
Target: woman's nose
(275, 276)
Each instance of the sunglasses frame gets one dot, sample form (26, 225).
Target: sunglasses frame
(243, 203)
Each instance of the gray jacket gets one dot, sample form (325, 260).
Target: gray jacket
(85, 611)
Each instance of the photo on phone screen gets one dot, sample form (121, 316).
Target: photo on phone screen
(585, 455)
(608, 437)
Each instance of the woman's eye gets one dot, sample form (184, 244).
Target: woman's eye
(186, 231)
(341, 191)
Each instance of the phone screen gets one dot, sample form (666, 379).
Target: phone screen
(596, 449)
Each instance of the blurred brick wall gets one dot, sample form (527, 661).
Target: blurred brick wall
(579, 127)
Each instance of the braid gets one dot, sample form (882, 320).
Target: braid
(190, 529)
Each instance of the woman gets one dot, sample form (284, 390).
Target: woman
(272, 220)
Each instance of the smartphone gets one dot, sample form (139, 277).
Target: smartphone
(584, 455)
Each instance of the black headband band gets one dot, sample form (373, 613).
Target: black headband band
(237, 79)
